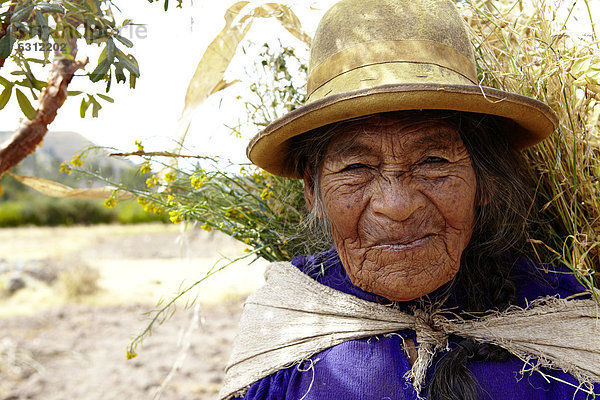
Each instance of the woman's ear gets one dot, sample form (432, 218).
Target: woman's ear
(309, 192)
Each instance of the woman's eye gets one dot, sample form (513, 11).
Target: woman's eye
(435, 160)
(354, 166)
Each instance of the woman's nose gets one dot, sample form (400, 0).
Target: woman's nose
(396, 198)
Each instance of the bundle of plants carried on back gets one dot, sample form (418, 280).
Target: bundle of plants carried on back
(520, 47)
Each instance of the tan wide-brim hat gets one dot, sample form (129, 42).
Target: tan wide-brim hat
(375, 56)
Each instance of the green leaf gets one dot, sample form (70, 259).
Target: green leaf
(50, 7)
(42, 28)
(109, 81)
(106, 98)
(24, 29)
(100, 70)
(124, 40)
(119, 74)
(83, 107)
(25, 105)
(31, 80)
(111, 50)
(94, 5)
(21, 14)
(39, 85)
(71, 6)
(131, 66)
(6, 43)
(102, 55)
(4, 82)
(73, 92)
(5, 96)
(95, 107)
(132, 81)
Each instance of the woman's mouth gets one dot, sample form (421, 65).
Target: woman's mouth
(404, 245)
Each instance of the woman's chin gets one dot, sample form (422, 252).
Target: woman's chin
(403, 281)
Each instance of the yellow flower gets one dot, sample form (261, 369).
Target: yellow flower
(231, 212)
(170, 199)
(111, 202)
(175, 216)
(170, 177)
(77, 160)
(145, 168)
(197, 182)
(65, 169)
(142, 201)
(247, 240)
(153, 209)
(151, 182)
(139, 145)
(266, 194)
(206, 227)
(131, 354)
(242, 170)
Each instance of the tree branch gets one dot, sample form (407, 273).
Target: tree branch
(30, 133)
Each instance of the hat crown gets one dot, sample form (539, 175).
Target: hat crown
(355, 23)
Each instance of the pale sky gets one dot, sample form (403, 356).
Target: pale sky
(168, 56)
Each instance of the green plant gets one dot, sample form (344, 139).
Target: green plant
(11, 214)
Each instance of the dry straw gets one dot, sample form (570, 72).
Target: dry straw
(525, 48)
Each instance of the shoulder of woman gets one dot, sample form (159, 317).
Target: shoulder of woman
(533, 281)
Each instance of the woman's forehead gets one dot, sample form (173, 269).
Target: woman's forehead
(411, 134)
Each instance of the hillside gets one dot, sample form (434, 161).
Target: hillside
(59, 146)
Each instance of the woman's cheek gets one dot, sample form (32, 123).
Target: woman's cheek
(456, 201)
(343, 196)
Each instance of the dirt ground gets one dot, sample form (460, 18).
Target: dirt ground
(57, 343)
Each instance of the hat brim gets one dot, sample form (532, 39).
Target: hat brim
(532, 121)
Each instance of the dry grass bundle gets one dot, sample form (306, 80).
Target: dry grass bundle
(524, 47)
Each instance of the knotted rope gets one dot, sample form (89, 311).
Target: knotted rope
(293, 317)
(430, 342)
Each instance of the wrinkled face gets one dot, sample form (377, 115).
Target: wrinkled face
(400, 198)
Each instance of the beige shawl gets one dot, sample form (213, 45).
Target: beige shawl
(293, 317)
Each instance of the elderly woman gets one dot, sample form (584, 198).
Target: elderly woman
(415, 171)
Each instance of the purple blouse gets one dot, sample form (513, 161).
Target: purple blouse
(374, 368)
